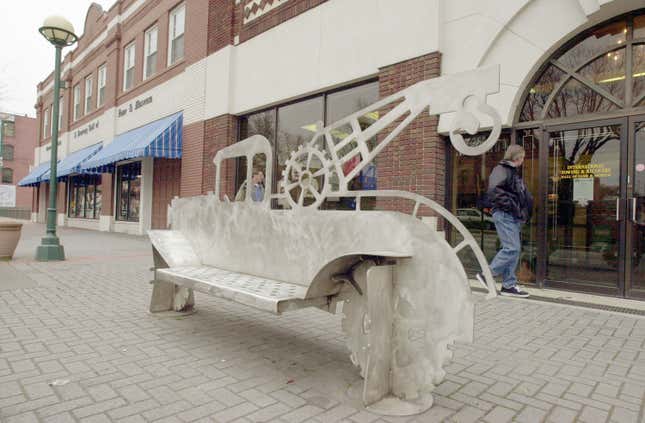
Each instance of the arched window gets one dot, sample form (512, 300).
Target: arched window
(601, 71)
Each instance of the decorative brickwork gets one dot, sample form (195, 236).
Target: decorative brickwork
(416, 160)
(165, 186)
(279, 11)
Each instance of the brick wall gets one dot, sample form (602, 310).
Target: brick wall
(221, 19)
(192, 159)
(201, 141)
(167, 174)
(219, 133)
(415, 160)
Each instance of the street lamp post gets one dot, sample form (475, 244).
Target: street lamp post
(60, 32)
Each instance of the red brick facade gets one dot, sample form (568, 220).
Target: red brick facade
(219, 133)
(416, 160)
(23, 141)
(165, 186)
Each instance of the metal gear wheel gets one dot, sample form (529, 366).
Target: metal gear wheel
(301, 174)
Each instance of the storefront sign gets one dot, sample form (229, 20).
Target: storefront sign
(590, 170)
(7, 196)
(132, 106)
(86, 129)
(49, 146)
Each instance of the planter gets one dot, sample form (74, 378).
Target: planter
(9, 237)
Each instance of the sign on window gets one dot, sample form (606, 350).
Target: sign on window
(7, 196)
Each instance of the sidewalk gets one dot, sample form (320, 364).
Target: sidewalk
(82, 326)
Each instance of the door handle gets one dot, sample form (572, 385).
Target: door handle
(617, 209)
(634, 209)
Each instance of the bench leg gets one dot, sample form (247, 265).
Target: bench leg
(370, 322)
(167, 296)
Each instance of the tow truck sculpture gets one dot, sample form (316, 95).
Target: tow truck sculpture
(402, 289)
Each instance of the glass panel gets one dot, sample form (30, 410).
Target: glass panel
(80, 201)
(576, 98)
(638, 72)
(123, 200)
(469, 184)
(135, 195)
(296, 126)
(608, 72)
(7, 152)
(638, 217)
(639, 26)
(98, 200)
(339, 105)
(9, 129)
(89, 202)
(262, 123)
(71, 204)
(530, 140)
(599, 40)
(584, 185)
(539, 93)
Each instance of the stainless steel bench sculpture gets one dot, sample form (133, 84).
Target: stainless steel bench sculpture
(404, 293)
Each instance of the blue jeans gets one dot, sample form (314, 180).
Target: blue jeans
(506, 260)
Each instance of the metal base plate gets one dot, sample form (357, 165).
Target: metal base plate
(391, 405)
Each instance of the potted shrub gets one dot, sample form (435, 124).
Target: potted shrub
(9, 237)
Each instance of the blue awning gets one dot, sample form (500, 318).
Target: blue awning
(36, 176)
(161, 138)
(72, 163)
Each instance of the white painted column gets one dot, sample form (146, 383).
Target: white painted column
(145, 216)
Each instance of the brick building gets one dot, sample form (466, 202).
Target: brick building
(18, 143)
(224, 70)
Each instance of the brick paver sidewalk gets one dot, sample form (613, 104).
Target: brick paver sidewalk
(77, 344)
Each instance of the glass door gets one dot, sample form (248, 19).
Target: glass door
(584, 197)
(636, 210)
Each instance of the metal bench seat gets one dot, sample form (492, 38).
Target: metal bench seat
(262, 293)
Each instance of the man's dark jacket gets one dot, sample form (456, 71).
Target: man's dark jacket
(507, 192)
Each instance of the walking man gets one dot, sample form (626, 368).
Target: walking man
(512, 205)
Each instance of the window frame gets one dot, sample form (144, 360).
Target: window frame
(45, 122)
(89, 86)
(101, 81)
(77, 101)
(147, 40)
(126, 57)
(61, 107)
(5, 149)
(119, 194)
(172, 24)
(9, 124)
(73, 194)
(7, 171)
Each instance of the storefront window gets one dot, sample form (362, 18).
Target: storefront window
(128, 192)
(84, 196)
(290, 126)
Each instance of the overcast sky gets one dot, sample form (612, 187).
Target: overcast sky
(26, 57)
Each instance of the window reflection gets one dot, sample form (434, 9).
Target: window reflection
(290, 126)
(129, 191)
(84, 196)
(584, 185)
(599, 59)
